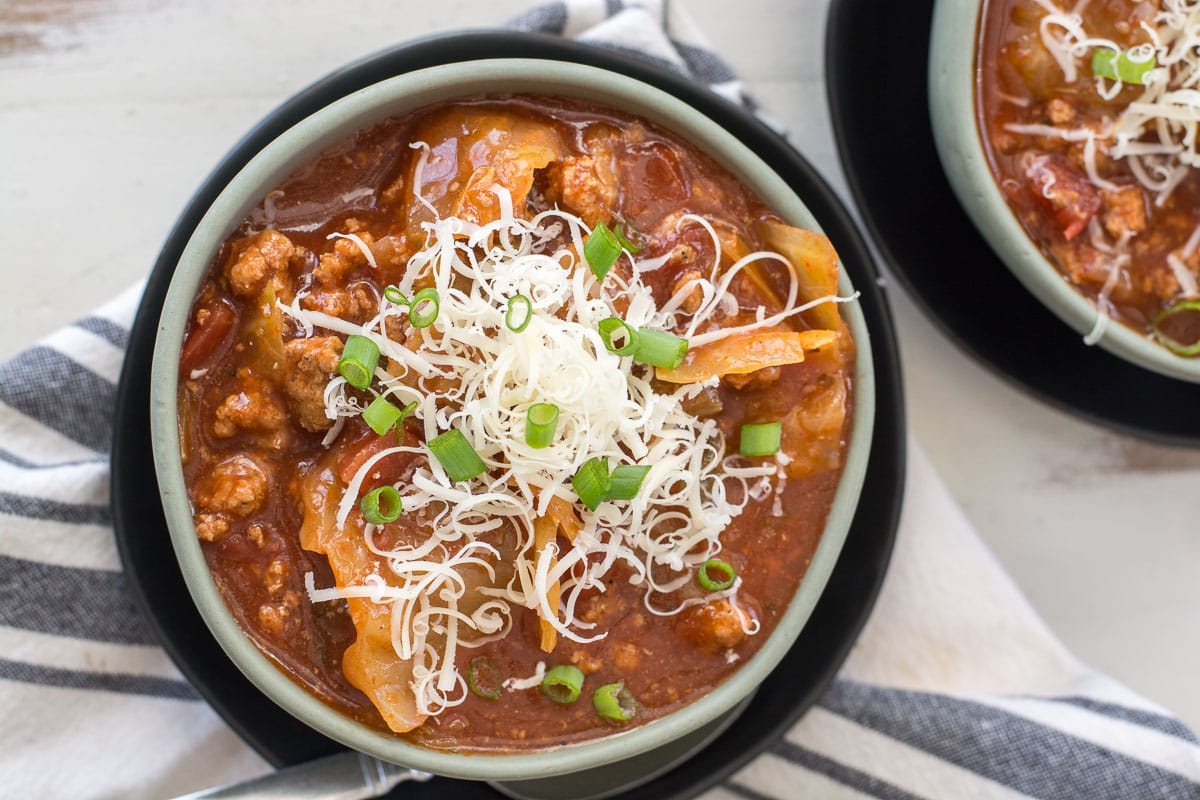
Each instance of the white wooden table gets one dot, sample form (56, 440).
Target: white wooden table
(112, 111)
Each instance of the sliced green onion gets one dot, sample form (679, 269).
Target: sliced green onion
(519, 313)
(382, 505)
(614, 702)
(381, 416)
(485, 678)
(659, 349)
(394, 295)
(591, 482)
(716, 575)
(626, 481)
(635, 245)
(1127, 66)
(761, 439)
(455, 454)
(359, 359)
(563, 683)
(602, 249)
(404, 414)
(618, 336)
(541, 420)
(1175, 346)
(424, 308)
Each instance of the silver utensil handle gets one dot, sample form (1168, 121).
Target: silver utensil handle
(345, 776)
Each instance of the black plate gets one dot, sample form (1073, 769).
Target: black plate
(835, 623)
(927, 241)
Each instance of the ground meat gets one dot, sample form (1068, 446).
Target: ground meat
(585, 190)
(695, 297)
(236, 486)
(334, 302)
(276, 576)
(356, 303)
(272, 617)
(1124, 210)
(276, 618)
(396, 328)
(601, 607)
(344, 257)
(626, 657)
(210, 527)
(586, 662)
(267, 254)
(683, 255)
(1160, 283)
(581, 185)
(391, 254)
(1059, 111)
(252, 408)
(1067, 195)
(310, 365)
(714, 626)
(257, 534)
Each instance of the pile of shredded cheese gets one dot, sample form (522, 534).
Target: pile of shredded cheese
(471, 372)
(1155, 134)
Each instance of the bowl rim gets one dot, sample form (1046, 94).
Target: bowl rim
(954, 43)
(298, 144)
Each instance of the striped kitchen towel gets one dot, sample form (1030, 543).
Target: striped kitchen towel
(955, 690)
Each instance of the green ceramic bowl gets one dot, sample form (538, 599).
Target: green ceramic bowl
(297, 146)
(952, 84)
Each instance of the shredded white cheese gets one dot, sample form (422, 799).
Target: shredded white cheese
(362, 246)
(532, 682)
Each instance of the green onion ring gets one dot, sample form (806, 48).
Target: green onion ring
(634, 244)
(394, 295)
(761, 439)
(359, 358)
(626, 481)
(614, 702)
(381, 506)
(1176, 347)
(485, 678)
(711, 584)
(591, 482)
(659, 349)
(541, 421)
(1122, 65)
(424, 309)
(601, 250)
(381, 416)
(455, 454)
(519, 304)
(563, 683)
(614, 325)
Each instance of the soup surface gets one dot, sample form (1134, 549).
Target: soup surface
(412, 538)
(1088, 117)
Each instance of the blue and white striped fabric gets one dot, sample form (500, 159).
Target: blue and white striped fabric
(955, 690)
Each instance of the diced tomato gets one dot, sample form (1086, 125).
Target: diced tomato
(1070, 197)
(387, 470)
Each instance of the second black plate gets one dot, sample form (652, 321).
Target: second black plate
(835, 623)
(881, 122)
